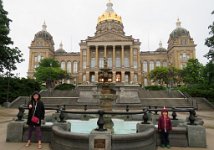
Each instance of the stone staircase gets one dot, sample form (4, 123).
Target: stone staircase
(204, 104)
(163, 98)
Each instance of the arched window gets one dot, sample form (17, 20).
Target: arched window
(101, 62)
(158, 64)
(145, 66)
(75, 67)
(63, 65)
(151, 65)
(69, 67)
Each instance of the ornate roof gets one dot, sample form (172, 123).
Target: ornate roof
(44, 34)
(161, 49)
(179, 31)
(60, 50)
(109, 14)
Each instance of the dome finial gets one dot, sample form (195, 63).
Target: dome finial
(44, 27)
(61, 45)
(178, 23)
(109, 6)
(160, 44)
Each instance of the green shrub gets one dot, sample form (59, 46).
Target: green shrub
(65, 86)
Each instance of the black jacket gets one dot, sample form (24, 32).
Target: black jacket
(40, 112)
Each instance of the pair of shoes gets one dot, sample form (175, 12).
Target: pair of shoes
(28, 144)
(168, 146)
(39, 146)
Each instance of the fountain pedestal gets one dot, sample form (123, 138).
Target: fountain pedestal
(100, 140)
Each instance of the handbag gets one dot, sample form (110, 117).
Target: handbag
(35, 119)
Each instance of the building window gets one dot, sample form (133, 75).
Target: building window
(135, 52)
(135, 77)
(75, 67)
(118, 62)
(35, 59)
(84, 52)
(145, 66)
(158, 64)
(126, 78)
(69, 67)
(135, 64)
(184, 57)
(84, 59)
(110, 62)
(126, 62)
(63, 65)
(151, 65)
(164, 64)
(92, 62)
(101, 62)
(92, 78)
(84, 78)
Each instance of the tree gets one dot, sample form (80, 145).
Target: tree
(193, 72)
(159, 74)
(210, 41)
(48, 71)
(8, 56)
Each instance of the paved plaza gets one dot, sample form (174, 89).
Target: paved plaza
(7, 115)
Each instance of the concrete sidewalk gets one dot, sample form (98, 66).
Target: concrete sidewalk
(7, 115)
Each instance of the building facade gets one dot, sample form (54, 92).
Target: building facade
(122, 53)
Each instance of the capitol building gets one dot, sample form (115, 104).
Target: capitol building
(110, 43)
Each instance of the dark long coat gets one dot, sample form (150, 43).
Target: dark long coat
(40, 112)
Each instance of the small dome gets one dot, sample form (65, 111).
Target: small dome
(179, 31)
(161, 49)
(60, 50)
(109, 14)
(44, 34)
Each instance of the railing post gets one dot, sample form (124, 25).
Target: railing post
(101, 121)
(191, 117)
(156, 112)
(174, 114)
(145, 116)
(61, 115)
(20, 113)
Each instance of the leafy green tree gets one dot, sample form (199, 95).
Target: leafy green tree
(8, 56)
(160, 75)
(209, 73)
(210, 41)
(193, 72)
(49, 71)
(16, 87)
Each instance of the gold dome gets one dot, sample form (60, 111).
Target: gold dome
(109, 14)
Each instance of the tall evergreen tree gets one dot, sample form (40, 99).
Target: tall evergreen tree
(8, 56)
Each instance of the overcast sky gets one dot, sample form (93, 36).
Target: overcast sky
(70, 21)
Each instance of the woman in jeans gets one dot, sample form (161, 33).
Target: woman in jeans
(37, 109)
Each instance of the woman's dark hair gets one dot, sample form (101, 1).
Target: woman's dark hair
(34, 93)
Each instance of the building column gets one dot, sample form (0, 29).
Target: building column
(122, 64)
(122, 76)
(87, 76)
(88, 57)
(97, 58)
(131, 57)
(132, 76)
(96, 76)
(114, 76)
(105, 51)
(114, 55)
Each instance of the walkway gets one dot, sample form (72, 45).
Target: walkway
(7, 115)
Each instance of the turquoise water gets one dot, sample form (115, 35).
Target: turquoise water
(120, 126)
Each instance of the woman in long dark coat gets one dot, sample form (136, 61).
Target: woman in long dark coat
(37, 109)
